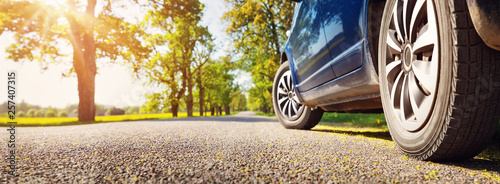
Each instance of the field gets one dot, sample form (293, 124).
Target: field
(74, 120)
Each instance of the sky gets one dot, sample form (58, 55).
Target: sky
(115, 84)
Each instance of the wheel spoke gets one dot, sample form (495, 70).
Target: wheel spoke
(289, 84)
(294, 107)
(280, 101)
(431, 17)
(416, 99)
(396, 21)
(285, 108)
(289, 109)
(283, 83)
(396, 91)
(281, 92)
(405, 12)
(404, 100)
(425, 40)
(426, 79)
(416, 15)
(392, 69)
(393, 43)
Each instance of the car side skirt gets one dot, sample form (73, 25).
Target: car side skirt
(359, 84)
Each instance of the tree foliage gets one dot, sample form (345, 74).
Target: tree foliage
(181, 46)
(218, 85)
(257, 29)
(42, 31)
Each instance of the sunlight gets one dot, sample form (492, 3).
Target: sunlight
(54, 2)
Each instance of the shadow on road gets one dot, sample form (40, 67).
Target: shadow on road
(478, 164)
(378, 135)
(489, 159)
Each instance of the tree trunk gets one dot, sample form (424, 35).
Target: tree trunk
(84, 56)
(212, 111)
(86, 91)
(200, 95)
(189, 100)
(219, 110)
(227, 110)
(175, 108)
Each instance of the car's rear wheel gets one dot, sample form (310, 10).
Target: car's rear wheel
(437, 80)
(291, 114)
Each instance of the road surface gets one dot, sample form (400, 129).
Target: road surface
(243, 148)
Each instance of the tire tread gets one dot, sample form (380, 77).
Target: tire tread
(474, 108)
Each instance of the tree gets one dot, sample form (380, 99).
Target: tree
(172, 65)
(50, 114)
(21, 114)
(63, 114)
(38, 114)
(115, 111)
(257, 29)
(133, 110)
(42, 30)
(31, 113)
(218, 86)
(239, 100)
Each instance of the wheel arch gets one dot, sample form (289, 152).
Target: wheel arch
(284, 57)
(374, 20)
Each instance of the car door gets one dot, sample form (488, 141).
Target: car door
(308, 46)
(343, 31)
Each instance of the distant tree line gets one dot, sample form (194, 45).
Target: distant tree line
(24, 109)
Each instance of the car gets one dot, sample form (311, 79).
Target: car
(431, 66)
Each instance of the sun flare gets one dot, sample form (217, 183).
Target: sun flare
(55, 2)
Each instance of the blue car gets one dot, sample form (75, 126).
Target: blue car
(432, 67)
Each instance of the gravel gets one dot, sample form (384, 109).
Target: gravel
(243, 148)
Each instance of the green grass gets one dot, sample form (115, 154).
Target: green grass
(353, 122)
(264, 114)
(348, 122)
(354, 119)
(98, 119)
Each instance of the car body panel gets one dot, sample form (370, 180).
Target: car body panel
(317, 80)
(308, 49)
(338, 68)
(343, 29)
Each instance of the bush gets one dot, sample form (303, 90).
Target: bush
(132, 110)
(21, 114)
(31, 113)
(115, 111)
(38, 114)
(50, 114)
(63, 114)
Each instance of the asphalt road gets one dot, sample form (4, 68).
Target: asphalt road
(243, 148)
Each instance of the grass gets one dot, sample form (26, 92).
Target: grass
(264, 114)
(98, 119)
(353, 121)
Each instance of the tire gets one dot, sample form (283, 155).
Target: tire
(290, 113)
(439, 82)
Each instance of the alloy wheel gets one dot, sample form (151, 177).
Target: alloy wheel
(412, 65)
(287, 100)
